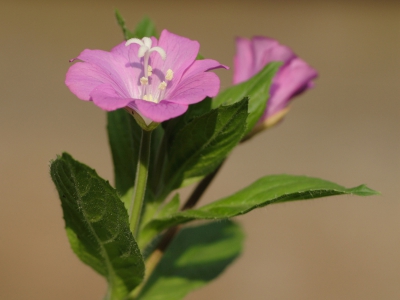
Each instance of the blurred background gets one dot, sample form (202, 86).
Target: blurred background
(345, 130)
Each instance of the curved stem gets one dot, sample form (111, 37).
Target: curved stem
(142, 170)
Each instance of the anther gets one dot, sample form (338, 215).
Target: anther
(149, 70)
(169, 75)
(148, 97)
(162, 85)
(144, 81)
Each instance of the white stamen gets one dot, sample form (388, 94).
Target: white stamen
(162, 85)
(149, 71)
(169, 75)
(144, 81)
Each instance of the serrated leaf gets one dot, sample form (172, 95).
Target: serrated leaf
(97, 225)
(195, 257)
(267, 190)
(256, 89)
(202, 144)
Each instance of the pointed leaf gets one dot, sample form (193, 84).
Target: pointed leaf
(121, 22)
(256, 89)
(144, 28)
(202, 144)
(267, 190)
(196, 256)
(97, 225)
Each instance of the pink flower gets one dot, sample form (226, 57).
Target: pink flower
(156, 79)
(294, 76)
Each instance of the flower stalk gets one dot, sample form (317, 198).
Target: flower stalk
(142, 170)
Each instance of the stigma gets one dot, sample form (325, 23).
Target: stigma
(145, 47)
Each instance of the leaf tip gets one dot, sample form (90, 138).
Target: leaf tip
(363, 190)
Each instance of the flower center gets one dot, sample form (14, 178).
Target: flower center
(144, 51)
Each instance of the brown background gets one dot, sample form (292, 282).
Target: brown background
(345, 130)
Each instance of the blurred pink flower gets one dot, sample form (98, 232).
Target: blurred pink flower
(294, 76)
(156, 79)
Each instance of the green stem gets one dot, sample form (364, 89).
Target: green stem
(159, 165)
(142, 171)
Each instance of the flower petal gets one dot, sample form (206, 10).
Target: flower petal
(158, 112)
(252, 55)
(121, 66)
(243, 61)
(195, 84)
(267, 50)
(82, 78)
(113, 71)
(181, 53)
(195, 88)
(291, 80)
(105, 97)
(204, 65)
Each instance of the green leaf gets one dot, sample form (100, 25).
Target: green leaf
(121, 22)
(148, 233)
(170, 207)
(124, 138)
(267, 190)
(202, 144)
(199, 56)
(256, 88)
(195, 257)
(97, 225)
(144, 28)
(174, 125)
